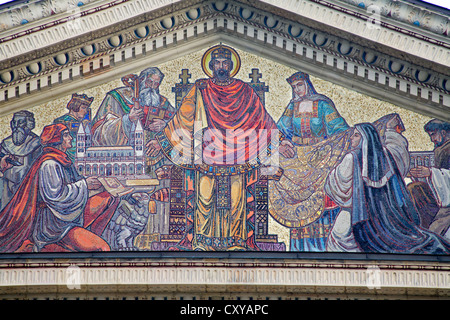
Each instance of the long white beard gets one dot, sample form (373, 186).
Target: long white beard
(149, 97)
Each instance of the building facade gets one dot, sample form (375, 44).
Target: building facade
(118, 161)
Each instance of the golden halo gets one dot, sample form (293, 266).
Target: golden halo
(234, 57)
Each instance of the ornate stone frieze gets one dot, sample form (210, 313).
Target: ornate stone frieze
(73, 47)
(410, 13)
(178, 276)
(17, 14)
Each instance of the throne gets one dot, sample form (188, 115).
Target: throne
(181, 199)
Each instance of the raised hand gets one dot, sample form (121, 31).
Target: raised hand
(136, 113)
(152, 148)
(287, 149)
(157, 125)
(420, 172)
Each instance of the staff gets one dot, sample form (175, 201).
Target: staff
(136, 112)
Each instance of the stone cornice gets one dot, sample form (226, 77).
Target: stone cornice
(417, 14)
(274, 32)
(79, 23)
(104, 14)
(178, 275)
(420, 16)
(352, 22)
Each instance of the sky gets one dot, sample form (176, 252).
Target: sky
(441, 3)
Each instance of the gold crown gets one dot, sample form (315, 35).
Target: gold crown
(78, 100)
(221, 53)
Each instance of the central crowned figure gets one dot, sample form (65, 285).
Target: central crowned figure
(219, 135)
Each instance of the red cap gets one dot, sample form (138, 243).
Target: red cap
(52, 134)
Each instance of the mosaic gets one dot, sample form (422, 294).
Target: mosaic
(223, 150)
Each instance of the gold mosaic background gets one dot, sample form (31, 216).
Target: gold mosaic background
(353, 106)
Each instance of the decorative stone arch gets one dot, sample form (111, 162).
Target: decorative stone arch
(123, 169)
(116, 169)
(88, 170)
(101, 169)
(139, 168)
(109, 169)
(131, 169)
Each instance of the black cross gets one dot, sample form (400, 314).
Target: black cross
(184, 76)
(255, 75)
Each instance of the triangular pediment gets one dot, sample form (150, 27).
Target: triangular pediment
(94, 42)
(361, 66)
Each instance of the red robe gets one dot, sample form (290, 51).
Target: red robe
(236, 108)
(17, 218)
(231, 109)
(216, 111)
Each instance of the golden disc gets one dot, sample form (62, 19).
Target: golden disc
(234, 57)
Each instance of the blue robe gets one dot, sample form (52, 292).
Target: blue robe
(309, 128)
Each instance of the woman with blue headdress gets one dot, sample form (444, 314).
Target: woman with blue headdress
(319, 134)
(383, 218)
(310, 117)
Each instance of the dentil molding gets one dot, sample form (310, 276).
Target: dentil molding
(330, 39)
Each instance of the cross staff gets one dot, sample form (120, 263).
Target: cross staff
(132, 81)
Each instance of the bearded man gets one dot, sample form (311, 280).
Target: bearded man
(223, 166)
(432, 198)
(138, 100)
(122, 107)
(52, 210)
(23, 147)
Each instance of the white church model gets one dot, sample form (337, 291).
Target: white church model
(124, 162)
